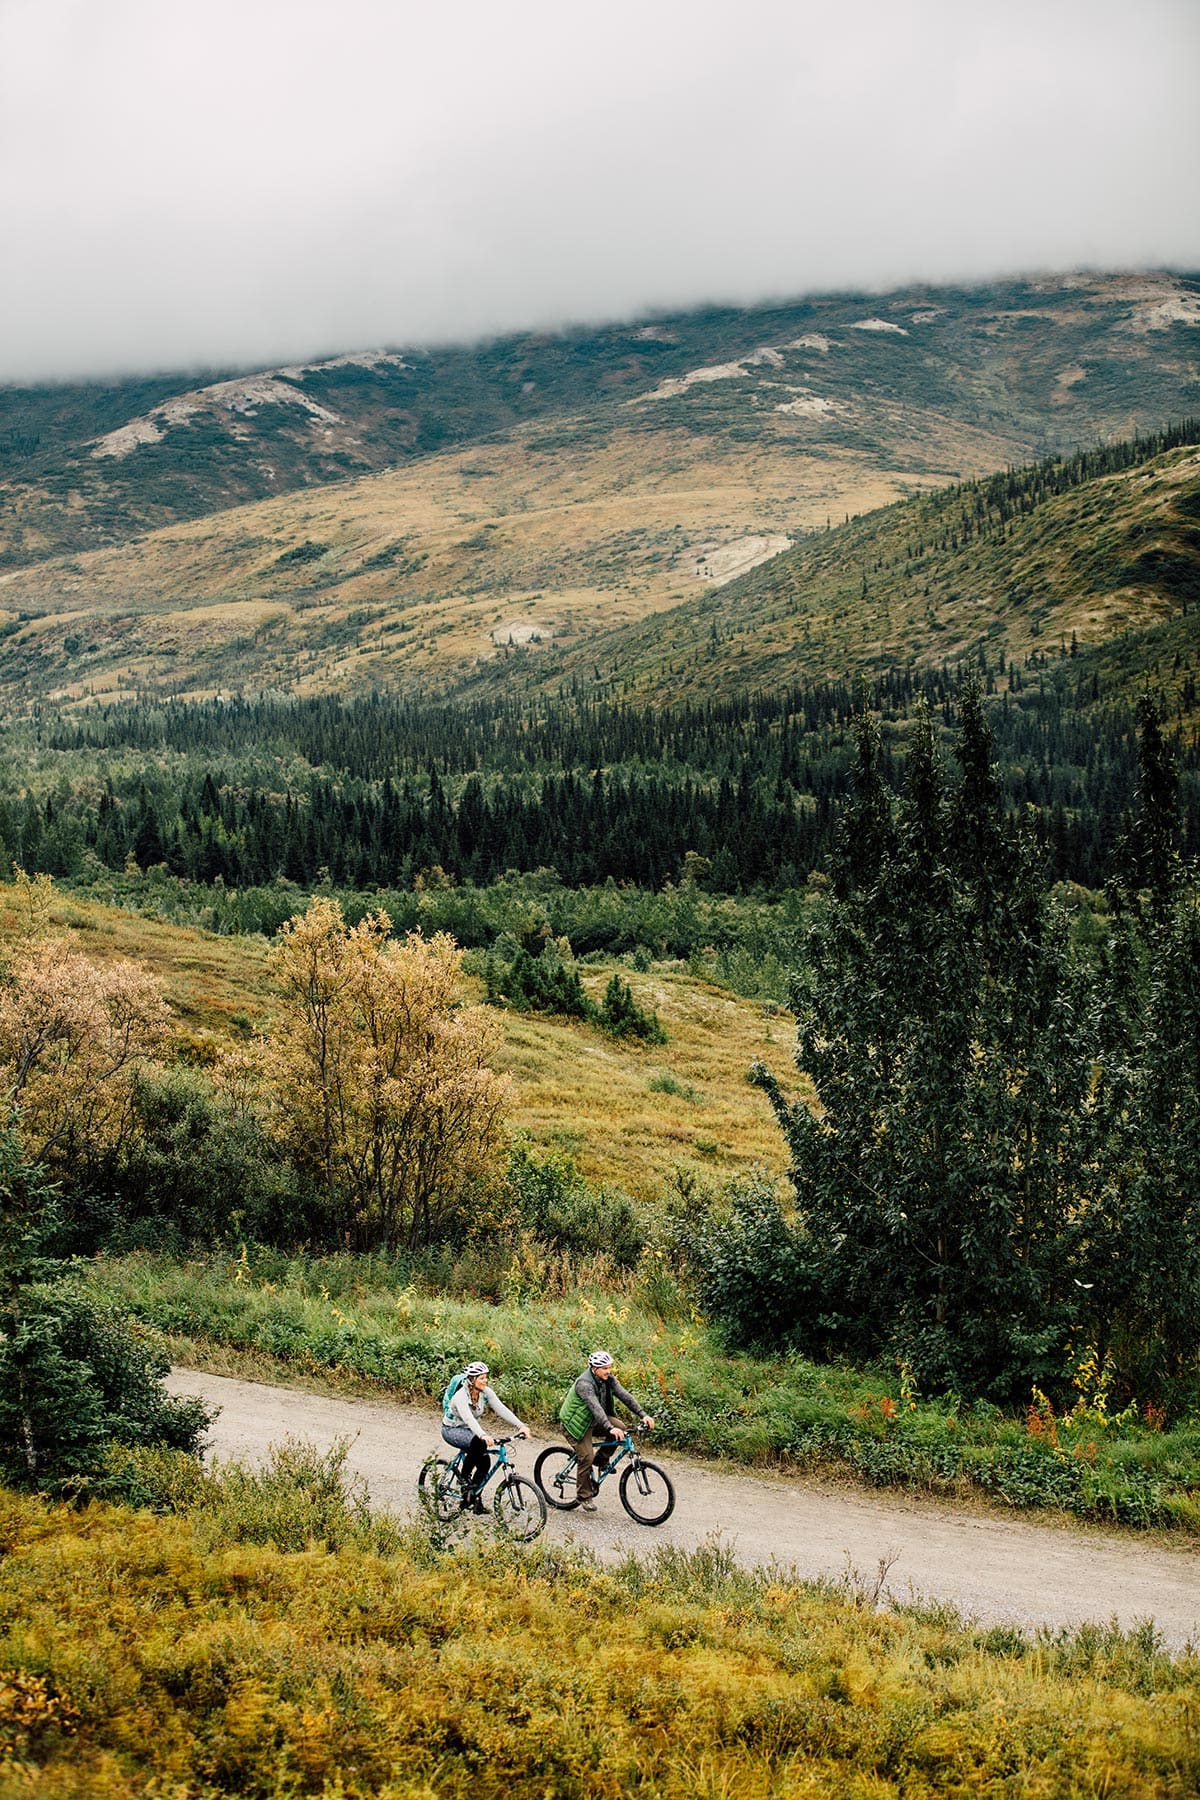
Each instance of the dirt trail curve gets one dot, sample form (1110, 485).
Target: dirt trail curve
(997, 1570)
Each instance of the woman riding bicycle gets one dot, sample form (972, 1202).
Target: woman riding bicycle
(586, 1417)
(466, 1398)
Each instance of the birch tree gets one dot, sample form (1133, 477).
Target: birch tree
(380, 1077)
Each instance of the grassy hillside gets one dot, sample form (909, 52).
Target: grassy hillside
(624, 1112)
(1021, 567)
(414, 578)
(595, 478)
(1039, 364)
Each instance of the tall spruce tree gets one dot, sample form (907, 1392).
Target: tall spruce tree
(1143, 1233)
(945, 1032)
(74, 1377)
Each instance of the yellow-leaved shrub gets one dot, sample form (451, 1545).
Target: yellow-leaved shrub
(142, 1654)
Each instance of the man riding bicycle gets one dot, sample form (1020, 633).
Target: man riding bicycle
(466, 1398)
(586, 1415)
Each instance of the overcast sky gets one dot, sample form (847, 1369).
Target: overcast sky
(198, 182)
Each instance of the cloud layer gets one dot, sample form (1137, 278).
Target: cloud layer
(251, 181)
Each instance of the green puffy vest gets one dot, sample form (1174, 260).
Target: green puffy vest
(575, 1415)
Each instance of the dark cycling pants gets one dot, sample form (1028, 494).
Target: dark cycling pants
(477, 1460)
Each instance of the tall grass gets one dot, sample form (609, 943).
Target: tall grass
(369, 1323)
(221, 1651)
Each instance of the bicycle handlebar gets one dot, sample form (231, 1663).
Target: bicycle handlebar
(630, 1431)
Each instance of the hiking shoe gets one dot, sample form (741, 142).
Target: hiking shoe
(588, 1505)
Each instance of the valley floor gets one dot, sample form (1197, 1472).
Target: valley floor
(994, 1569)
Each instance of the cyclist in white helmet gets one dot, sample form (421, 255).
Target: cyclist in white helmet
(466, 1398)
(586, 1415)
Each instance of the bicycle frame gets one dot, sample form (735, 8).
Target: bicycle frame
(647, 1491)
(500, 1460)
(601, 1471)
(518, 1503)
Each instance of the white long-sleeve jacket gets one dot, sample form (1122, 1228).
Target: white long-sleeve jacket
(464, 1413)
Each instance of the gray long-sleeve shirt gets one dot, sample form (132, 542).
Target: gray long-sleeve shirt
(465, 1414)
(598, 1397)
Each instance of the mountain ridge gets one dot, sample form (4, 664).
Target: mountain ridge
(1043, 362)
(555, 545)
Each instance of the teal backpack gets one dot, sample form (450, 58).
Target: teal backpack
(449, 1418)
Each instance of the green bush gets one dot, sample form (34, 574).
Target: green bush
(74, 1379)
(194, 1171)
(299, 1498)
(555, 1202)
(621, 1016)
(544, 983)
(550, 983)
(747, 1267)
(666, 1083)
(307, 552)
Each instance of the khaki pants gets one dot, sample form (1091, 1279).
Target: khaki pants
(585, 1451)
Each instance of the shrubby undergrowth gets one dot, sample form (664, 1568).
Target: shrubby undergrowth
(271, 1639)
(550, 982)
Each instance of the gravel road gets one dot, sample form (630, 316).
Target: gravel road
(994, 1569)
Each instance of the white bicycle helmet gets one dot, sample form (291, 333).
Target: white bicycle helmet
(475, 1368)
(600, 1359)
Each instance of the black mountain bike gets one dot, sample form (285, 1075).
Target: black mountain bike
(519, 1507)
(647, 1492)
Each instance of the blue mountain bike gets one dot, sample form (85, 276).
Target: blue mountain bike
(647, 1492)
(518, 1506)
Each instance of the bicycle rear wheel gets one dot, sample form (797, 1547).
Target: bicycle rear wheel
(647, 1493)
(519, 1508)
(554, 1473)
(440, 1489)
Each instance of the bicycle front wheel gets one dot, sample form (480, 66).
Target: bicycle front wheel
(440, 1489)
(519, 1508)
(555, 1475)
(647, 1493)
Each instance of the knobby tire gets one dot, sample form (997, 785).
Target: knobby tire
(549, 1465)
(520, 1509)
(440, 1489)
(647, 1493)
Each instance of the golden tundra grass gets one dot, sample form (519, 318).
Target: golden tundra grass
(575, 1089)
(862, 597)
(219, 1653)
(607, 1103)
(576, 536)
